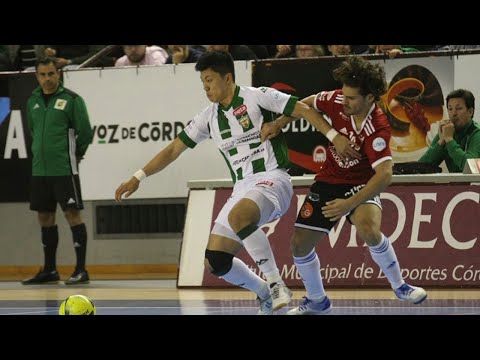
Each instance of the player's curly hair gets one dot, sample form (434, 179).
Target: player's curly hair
(357, 72)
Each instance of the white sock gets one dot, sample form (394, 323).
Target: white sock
(384, 255)
(242, 276)
(309, 269)
(258, 247)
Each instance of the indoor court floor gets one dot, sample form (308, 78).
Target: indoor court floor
(161, 297)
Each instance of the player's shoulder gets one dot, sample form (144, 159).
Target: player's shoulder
(335, 96)
(209, 112)
(379, 118)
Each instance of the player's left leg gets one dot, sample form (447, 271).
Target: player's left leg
(367, 218)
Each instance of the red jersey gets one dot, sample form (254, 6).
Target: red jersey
(373, 138)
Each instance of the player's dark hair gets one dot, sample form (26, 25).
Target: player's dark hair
(219, 61)
(359, 73)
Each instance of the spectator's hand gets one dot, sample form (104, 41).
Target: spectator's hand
(178, 55)
(127, 188)
(50, 52)
(335, 209)
(346, 149)
(394, 52)
(441, 139)
(269, 131)
(448, 130)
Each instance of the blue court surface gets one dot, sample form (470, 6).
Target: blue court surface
(161, 297)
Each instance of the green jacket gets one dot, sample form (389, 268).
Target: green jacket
(465, 145)
(61, 132)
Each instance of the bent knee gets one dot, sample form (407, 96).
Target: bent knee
(218, 262)
(370, 234)
(304, 241)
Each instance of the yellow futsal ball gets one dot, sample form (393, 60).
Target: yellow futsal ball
(77, 305)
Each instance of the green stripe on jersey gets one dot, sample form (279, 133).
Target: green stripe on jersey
(232, 173)
(186, 140)
(290, 105)
(258, 165)
(225, 130)
(279, 143)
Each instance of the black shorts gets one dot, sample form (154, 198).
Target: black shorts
(311, 216)
(47, 191)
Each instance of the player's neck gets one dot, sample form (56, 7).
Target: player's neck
(227, 100)
(360, 117)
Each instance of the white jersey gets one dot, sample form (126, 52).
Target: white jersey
(236, 130)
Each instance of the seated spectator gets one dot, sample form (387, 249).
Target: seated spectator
(5, 64)
(281, 51)
(200, 48)
(238, 52)
(339, 50)
(180, 54)
(72, 55)
(359, 49)
(393, 50)
(458, 138)
(136, 55)
(260, 51)
(24, 57)
(308, 51)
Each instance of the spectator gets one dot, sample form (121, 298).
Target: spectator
(238, 52)
(308, 51)
(142, 55)
(180, 54)
(458, 138)
(72, 55)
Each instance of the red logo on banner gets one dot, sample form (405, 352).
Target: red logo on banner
(307, 210)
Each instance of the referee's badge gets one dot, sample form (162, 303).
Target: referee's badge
(60, 104)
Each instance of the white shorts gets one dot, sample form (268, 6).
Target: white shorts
(275, 185)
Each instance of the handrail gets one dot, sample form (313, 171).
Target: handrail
(105, 51)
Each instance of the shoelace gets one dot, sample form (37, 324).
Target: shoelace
(304, 304)
(408, 291)
(276, 291)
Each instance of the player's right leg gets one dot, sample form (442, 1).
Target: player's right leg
(305, 258)
(310, 227)
(220, 260)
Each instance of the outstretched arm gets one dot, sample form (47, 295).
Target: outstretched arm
(304, 109)
(158, 163)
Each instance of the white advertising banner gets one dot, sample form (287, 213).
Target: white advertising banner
(135, 113)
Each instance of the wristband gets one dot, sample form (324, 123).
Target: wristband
(140, 175)
(331, 134)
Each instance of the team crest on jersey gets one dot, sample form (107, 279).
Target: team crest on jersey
(244, 121)
(307, 210)
(240, 110)
(60, 104)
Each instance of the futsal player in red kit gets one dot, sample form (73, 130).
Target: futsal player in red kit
(348, 186)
